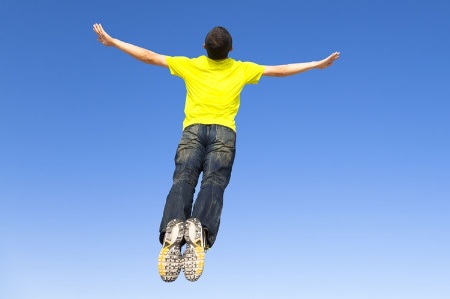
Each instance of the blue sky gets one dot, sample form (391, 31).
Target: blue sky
(341, 182)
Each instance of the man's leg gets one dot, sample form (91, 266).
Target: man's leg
(201, 230)
(217, 166)
(188, 165)
(178, 206)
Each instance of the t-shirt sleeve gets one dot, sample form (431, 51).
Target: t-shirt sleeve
(177, 65)
(253, 72)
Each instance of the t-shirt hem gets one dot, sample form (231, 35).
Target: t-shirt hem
(210, 122)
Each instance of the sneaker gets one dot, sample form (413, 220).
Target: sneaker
(194, 255)
(169, 259)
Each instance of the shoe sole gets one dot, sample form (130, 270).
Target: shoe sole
(169, 259)
(194, 255)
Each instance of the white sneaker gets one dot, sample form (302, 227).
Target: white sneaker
(169, 259)
(194, 255)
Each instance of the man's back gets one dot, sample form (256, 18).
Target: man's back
(213, 87)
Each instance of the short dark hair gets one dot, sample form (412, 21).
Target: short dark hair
(218, 43)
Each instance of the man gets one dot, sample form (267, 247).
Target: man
(213, 83)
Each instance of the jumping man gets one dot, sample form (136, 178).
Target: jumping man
(214, 83)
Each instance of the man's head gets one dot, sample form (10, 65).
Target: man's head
(218, 43)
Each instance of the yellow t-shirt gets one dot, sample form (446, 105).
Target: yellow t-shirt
(213, 87)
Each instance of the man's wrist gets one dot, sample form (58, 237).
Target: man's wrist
(115, 42)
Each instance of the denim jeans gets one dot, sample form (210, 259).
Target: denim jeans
(203, 148)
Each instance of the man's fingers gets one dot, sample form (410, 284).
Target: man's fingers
(98, 28)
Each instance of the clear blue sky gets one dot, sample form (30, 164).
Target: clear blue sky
(341, 184)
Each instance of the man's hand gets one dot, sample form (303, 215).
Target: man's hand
(328, 61)
(103, 37)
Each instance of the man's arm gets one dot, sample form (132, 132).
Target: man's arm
(296, 68)
(139, 53)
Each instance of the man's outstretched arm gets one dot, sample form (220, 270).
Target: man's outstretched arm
(296, 68)
(139, 53)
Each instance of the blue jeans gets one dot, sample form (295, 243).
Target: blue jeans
(203, 148)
